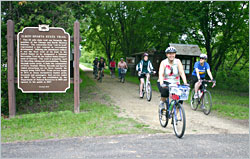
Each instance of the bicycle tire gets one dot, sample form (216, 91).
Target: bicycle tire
(149, 92)
(163, 117)
(207, 101)
(177, 120)
(193, 101)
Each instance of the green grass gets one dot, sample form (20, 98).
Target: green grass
(94, 119)
(230, 104)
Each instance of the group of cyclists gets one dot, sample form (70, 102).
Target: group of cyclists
(99, 66)
(170, 72)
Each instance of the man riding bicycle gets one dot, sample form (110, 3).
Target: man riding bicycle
(101, 65)
(199, 72)
(112, 66)
(121, 65)
(170, 71)
(144, 68)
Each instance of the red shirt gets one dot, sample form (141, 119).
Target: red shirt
(112, 64)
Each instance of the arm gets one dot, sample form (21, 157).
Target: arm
(197, 73)
(181, 72)
(161, 73)
(209, 74)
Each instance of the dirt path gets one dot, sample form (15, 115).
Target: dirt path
(125, 95)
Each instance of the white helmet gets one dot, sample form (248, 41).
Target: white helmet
(203, 56)
(170, 49)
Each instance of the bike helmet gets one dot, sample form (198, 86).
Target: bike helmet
(203, 56)
(121, 58)
(96, 57)
(102, 58)
(145, 54)
(170, 49)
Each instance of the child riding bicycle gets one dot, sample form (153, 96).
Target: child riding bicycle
(144, 67)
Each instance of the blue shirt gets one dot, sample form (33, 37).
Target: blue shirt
(202, 69)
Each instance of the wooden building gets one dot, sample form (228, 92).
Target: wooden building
(185, 52)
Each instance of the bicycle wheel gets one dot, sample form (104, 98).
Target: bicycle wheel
(149, 92)
(207, 101)
(193, 101)
(179, 120)
(163, 117)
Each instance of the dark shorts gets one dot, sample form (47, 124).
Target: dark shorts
(164, 91)
(100, 68)
(142, 76)
(112, 69)
(194, 79)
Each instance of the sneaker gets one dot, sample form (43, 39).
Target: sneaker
(195, 96)
(141, 95)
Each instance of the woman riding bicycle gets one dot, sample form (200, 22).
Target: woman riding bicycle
(200, 68)
(169, 73)
(144, 67)
(101, 65)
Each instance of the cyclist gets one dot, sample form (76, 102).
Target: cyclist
(121, 65)
(101, 65)
(144, 66)
(169, 73)
(112, 66)
(199, 72)
(95, 62)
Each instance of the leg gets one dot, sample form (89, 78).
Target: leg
(119, 72)
(141, 85)
(196, 86)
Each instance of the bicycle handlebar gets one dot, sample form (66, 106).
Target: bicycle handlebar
(143, 73)
(209, 81)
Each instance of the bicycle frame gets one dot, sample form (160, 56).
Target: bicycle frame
(170, 112)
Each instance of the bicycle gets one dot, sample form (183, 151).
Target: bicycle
(112, 72)
(95, 72)
(174, 110)
(123, 72)
(204, 98)
(147, 87)
(100, 78)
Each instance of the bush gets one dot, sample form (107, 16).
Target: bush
(235, 80)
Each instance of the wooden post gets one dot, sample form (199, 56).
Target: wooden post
(76, 67)
(11, 67)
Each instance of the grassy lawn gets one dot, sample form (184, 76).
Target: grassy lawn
(59, 121)
(230, 104)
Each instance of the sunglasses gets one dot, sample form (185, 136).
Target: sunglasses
(202, 58)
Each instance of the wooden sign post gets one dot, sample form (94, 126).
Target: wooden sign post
(56, 66)
(11, 67)
(76, 67)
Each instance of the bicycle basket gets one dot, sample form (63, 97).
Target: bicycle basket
(181, 91)
(123, 70)
(184, 92)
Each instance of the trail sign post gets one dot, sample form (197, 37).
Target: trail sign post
(43, 55)
(43, 62)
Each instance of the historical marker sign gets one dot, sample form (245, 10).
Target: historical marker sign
(43, 56)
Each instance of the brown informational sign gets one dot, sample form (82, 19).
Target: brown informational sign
(43, 55)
